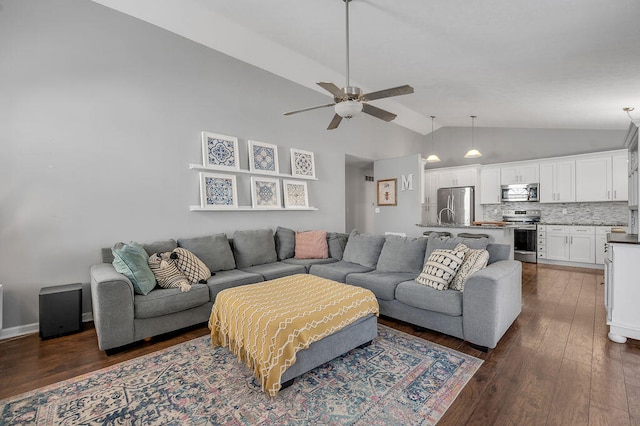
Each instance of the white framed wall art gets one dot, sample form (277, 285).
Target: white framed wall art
(265, 193)
(220, 151)
(302, 164)
(218, 191)
(296, 195)
(263, 157)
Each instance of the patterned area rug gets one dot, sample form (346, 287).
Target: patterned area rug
(399, 379)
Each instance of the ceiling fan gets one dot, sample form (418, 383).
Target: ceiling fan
(349, 101)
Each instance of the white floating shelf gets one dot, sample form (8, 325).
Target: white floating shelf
(248, 208)
(246, 172)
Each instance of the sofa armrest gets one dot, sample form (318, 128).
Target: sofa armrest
(491, 301)
(113, 309)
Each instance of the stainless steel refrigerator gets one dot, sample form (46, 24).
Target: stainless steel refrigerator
(456, 205)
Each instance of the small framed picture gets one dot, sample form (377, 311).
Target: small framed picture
(295, 194)
(302, 164)
(218, 191)
(387, 192)
(265, 193)
(220, 151)
(263, 158)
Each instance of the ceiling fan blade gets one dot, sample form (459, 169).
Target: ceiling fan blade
(378, 112)
(396, 91)
(308, 109)
(335, 122)
(332, 88)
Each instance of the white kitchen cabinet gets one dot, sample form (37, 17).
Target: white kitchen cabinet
(463, 176)
(490, 185)
(622, 291)
(519, 173)
(602, 178)
(593, 179)
(619, 177)
(557, 181)
(570, 243)
(430, 185)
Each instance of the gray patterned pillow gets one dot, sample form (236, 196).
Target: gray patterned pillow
(441, 267)
(474, 260)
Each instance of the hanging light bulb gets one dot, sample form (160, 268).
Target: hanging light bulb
(432, 158)
(473, 151)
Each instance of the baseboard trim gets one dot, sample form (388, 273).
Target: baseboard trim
(21, 330)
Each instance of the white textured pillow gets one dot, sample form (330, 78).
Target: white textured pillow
(474, 260)
(441, 267)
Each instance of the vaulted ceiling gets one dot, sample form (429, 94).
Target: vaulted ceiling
(571, 64)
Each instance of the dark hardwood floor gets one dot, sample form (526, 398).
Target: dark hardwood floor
(554, 365)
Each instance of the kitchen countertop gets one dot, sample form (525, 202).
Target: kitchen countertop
(618, 237)
(449, 225)
(582, 224)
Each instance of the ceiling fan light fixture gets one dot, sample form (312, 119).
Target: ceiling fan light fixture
(348, 109)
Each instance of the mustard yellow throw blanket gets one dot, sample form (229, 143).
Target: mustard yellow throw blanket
(266, 324)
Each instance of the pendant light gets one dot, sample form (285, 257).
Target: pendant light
(473, 151)
(432, 158)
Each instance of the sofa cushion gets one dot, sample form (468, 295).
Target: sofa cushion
(474, 260)
(441, 267)
(131, 260)
(223, 280)
(420, 296)
(311, 245)
(382, 284)
(435, 243)
(271, 271)
(255, 247)
(337, 242)
(498, 252)
(213, 250)
(307, 263)
(338, 271)
(402, 254)
(160, 246)
(363, 249)
(285, 242)
(165, 301)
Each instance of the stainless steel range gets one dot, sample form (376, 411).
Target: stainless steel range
(525, 233)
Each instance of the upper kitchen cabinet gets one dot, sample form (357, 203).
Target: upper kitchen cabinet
(595, 178)
(519, 173)
(430, 185)
(458, 176)
(557, 181)
(490, 185)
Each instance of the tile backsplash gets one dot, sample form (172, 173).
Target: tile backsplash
(613, 213)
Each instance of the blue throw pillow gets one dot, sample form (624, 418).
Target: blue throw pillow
(131, 260)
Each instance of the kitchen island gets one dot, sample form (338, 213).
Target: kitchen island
(497, 234)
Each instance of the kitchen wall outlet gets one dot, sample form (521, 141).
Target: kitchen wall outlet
(564, 211)
(377, 210)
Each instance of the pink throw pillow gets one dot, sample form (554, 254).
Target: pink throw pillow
(311, 245)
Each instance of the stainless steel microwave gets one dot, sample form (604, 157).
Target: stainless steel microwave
(520, 192)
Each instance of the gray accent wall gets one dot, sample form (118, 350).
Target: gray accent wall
(406, 214)
(502, 145)
(100, 116)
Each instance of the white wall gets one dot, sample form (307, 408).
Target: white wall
(100, 115)
(359, 199)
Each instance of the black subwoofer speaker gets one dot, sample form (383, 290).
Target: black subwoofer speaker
(60, 310)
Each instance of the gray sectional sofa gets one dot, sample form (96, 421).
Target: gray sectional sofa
(388, 266)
